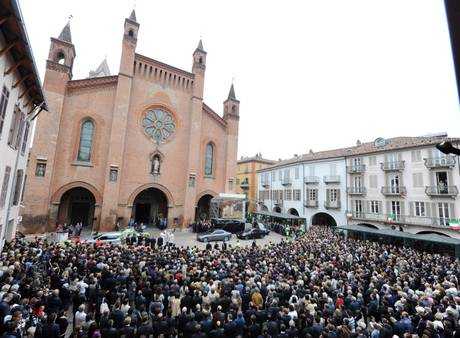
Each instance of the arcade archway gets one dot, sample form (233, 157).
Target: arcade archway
(150, 207)
(276, 209)
(77, 206)
(432, 233)
(203, 207)
(293, 211)
(321, 218)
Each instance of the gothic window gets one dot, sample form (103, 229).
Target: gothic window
(60, 58)
(159, 125)
(209, 157)
(86, 141)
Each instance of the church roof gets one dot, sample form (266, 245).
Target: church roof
(200, 47)
(102, 70)
(133, 15)
(231, 93)
(65, 33)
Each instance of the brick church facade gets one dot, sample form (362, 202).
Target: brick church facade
(139, 145)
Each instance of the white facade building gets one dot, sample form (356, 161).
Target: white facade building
(404, 182)
(20, 96)
(401, 183)
(312, 186)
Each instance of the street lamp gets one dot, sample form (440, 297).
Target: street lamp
(447, 148)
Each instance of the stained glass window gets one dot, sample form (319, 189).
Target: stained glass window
(159, 125)
(208, 159)
(86, 141)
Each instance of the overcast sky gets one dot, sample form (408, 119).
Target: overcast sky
(313, 74)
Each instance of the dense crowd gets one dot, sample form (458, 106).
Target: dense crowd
(319, 285)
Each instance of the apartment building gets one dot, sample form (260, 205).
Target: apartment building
(312, 186)
(405, 183)
(402, 183)
(20, 97)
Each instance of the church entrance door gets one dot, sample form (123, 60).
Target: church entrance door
(150, 207)
(77, 205)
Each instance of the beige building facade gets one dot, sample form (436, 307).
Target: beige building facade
(141, 145)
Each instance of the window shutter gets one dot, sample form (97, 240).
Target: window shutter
(338, 195)
(411, 209)
(428, 209)
(434, 209)
(388, 207)
(403, 208)
(451, 210)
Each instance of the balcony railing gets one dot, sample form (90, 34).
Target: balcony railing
(332, 204)
(311, 204)
(311, 179)
(396, 190)
(442, 191)
(447, 161)
(440, 222)
(286, 181)
(331, 179)
(356, 169)
(356, 190)
(265, 184)
(392, 166)
(244, 185)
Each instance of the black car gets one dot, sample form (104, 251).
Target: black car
(253, 233)
(231, 225)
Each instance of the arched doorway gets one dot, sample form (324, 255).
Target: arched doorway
(203, 207)
(263, 207)
(321, 218)
(432, 233)
(150, 207)
(77, 205)
(372, 226)
(276, 209)
(293, 211)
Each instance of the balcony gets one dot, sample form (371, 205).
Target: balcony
(311, 179)
(356, 190)
(396, 190)
(332, 204)
(311, 204)
(439, 222)
(356, 169)
(286, 181)
(392, 166)
(331, 179)
(447, 161)
(278, 202)
(265, 184)
(442, 191)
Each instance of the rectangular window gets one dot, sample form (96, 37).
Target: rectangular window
(20, 127)
(395, 210)
(297, 195)
(6, 180)
(358, 207)
(374, 207)
(25, 138)
(18, 187)
(3, 105)
(40, 170)
(419, 208)
(312, 194)
(333, 195)
(443, 210)
(23, 188)
(288, 195)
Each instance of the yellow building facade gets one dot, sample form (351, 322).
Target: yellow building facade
(246, 177)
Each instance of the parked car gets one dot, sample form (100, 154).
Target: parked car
(253, 233)
(215, 235)
(231, 225)
(107, 237)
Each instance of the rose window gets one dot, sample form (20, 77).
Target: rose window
(159, 125)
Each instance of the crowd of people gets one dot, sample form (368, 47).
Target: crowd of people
(319, 285)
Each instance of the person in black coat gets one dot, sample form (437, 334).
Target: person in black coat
(160, 241)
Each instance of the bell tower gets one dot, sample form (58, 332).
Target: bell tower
(232, 117)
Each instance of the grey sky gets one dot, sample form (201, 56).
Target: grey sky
(309, 74)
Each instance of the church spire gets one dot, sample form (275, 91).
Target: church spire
(65, 34)
(231, 93)
(133, 16)
(102, 70)
(200, 47)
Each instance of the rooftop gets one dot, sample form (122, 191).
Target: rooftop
(376, 146)
(256, 158)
